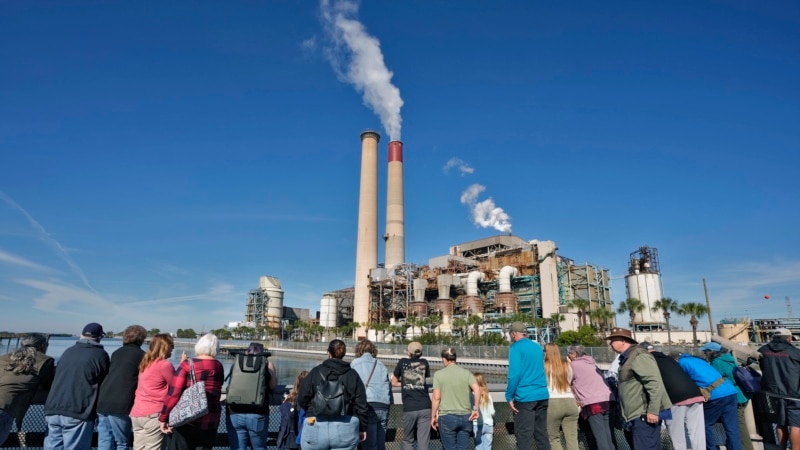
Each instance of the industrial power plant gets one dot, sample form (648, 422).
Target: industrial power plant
(499, 275)
(491, 277)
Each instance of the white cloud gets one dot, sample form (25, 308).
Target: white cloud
(22, 262)
(462, 166)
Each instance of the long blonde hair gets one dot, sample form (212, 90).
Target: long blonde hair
(160, 348)
(292, 397)
(556, 368)
(483, 388)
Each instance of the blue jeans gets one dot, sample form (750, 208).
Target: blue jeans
(530, 424)
(114, 432)
(483, 436)
(723, 410)
(330, 434)
(66, 433)
(244, 428)
(6, 422)
(377, 422)
(454, 431)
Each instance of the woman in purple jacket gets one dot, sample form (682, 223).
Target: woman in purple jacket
(592, 394)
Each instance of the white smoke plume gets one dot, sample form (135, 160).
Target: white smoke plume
(484, 213)
(357, 59)
(462, 166)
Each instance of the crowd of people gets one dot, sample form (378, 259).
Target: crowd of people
(339, 405)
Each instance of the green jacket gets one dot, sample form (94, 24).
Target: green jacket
(641, 389)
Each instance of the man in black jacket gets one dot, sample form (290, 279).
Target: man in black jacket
(687, 402)
(346, 430)
(114, 430)
(780, 366)
(70, 407)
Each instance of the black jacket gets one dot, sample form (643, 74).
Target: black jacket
(79, 372)
(119, 387)
(780, 367)
(353, 385)
(679, 385)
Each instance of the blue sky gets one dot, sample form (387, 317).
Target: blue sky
(157, 158)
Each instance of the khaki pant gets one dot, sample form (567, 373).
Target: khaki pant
(146, 433)
(562, 415)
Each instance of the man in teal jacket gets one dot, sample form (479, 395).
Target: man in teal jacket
(526, 391)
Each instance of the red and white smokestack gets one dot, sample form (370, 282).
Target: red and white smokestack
(367, 240)
(395, 219)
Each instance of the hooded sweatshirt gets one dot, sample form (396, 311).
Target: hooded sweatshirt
(353, 385)
(724, 363)
(780, 366)
(588, 385)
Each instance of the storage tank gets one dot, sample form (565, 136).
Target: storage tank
(272, 288)
(328, 311)
(644, 282)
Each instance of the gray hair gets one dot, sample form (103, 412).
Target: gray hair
(578, 349)
(207, 345)
(23, 360)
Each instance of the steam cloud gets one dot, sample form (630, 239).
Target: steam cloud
(462, 166)
(484, 213)
(357, 59)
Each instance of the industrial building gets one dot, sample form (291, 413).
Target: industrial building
(499, 275)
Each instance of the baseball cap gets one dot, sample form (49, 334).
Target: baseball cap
(415, 348)
(94, 330)
(782, 332)
(519, 327)
(647, 346)
(712, 346)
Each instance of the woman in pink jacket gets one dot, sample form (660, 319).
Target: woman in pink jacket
(592, 394)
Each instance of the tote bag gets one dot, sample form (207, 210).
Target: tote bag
(193, 403)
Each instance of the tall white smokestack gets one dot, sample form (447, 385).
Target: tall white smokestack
(395, 218)
(367, 243)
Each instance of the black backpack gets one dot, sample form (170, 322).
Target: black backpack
(330, 397)
(249, 380)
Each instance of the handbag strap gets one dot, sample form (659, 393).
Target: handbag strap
(715, 384)
(191, 371)
(370, 374)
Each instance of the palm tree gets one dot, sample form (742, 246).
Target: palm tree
(475, 320)
(632, 306)
(556, 319)
(696, 310)
(582, 305)
(601, 317)
(666, 305)
(459, 324)
(540, 323)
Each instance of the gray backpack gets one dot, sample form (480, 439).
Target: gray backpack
(249, 380)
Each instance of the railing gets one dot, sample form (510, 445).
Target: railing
(31, 434)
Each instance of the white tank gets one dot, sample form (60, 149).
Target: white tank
(328, 311)
(272, 287)
(647, 288)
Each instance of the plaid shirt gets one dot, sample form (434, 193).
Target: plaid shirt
(208, 370)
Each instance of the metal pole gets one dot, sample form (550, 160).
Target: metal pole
(708, 306)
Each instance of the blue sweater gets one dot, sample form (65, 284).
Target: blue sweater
(704, 375)
(526, 379)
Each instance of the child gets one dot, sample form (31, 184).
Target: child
(484, 426)
(291, 418)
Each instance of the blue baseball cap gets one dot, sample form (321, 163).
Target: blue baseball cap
(713, 346)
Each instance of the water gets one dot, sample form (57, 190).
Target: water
(287, 366)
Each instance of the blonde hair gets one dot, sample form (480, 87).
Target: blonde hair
(556, 368)
(160, 348)
(484, 400)
(292, 397)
